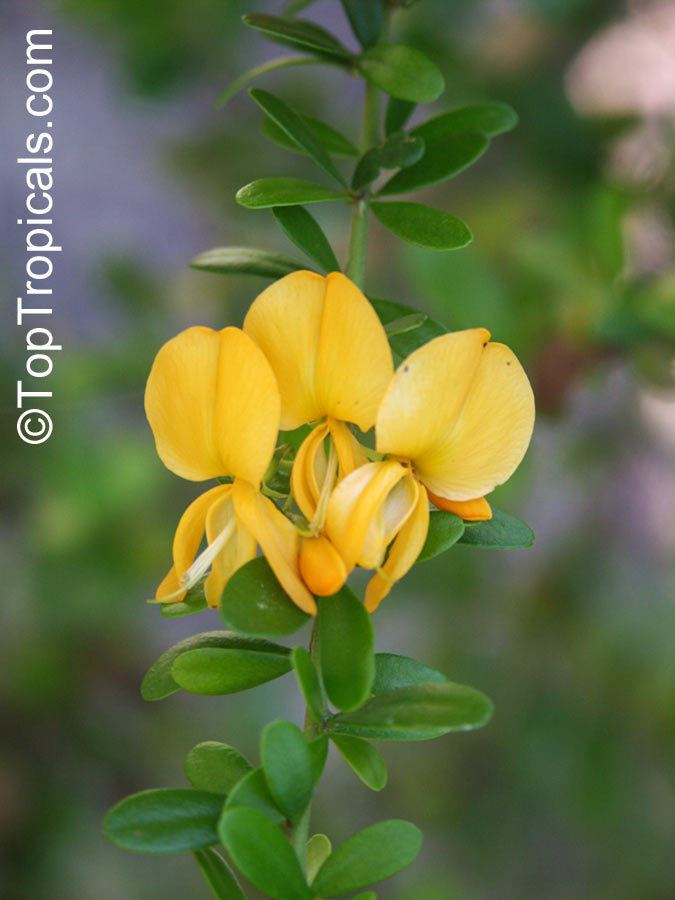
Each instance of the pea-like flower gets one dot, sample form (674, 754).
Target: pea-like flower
(454, 424)
(332, 361)
(213, 405)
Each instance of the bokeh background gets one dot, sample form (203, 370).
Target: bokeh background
(569, 792)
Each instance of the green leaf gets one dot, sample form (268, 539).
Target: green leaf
(404, 343)
(193, 602)
(318, 850)
(287, 764)
(305, 232)
(416, 713)
(364, 759)
(445, 529)
(245, 261)
(159, 682)
(296, 6)
(423, 225)
(346, 649)
(366, 18)
(332, 140)
(267, 192)
(218, 875)
(164, 821)
(405, 324)
(308, 680)
(502, 532)
(489, 119)
(298, 33)
(211, 671)
(318, 749)
(263, 855)
(402, 72)
(371, 855)
(401, 150)
(253, 793)
(393, 671)
(297, 130)
(397, 114)
(369, 895)
(443, 158)
(254, 602)
(281, 62)
(215, 767)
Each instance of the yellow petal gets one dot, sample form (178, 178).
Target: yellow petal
(427, 393)
(238, 550)
(309, 471)
(247, 407)
(402, 555)
(180, 404)
(190, 530)
(491, 435)
(478, 510)
(354, 362)
(350, 453)
(394, 511)
(278, 539)
(169, 588)
(285, 321)
(355, 504)
(213, 405)
(321, 566)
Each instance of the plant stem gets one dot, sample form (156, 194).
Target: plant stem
(356, 268)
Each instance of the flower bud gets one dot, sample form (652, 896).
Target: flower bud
(321, 566)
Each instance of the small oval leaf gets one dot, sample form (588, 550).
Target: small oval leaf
(211, 670)
(164, 820)
(490, 119)
(416, 713)
(267, 192)
(402, 72)
(346, 649)
(245, 261)
(445, 529)
(364, 759)
(253, 793)
(502, 532)
(366, 18)
(309, 682)
(405, 342)
(332, 141)
(262, 853)
(287, 764)
(393, 671)
(423, 225)
(371, 855)
(298, 33)
(215, 767)
(302, 228)
(443, 158)
(254, 602)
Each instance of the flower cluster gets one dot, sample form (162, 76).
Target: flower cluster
(450, 424)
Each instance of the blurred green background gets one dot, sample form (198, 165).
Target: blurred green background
(569, 792)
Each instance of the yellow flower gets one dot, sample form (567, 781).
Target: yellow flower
(332, 361)
(213, 405)
(455, 423)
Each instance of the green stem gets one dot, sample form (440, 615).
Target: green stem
(358, 244)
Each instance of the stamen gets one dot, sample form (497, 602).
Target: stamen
(202, 563)
(319, 517)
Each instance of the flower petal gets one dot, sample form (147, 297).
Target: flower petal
(394, 512)
(190, 530)
(169, 589)
(491, 435)
(427, 393)
(247, 407)
(355, 504)
(478, 510)
(309, 471)
(354, 362)
(238, 550)
(179, 403)
(402, 555)
(278, 539)
(285, 322)
(349, 452)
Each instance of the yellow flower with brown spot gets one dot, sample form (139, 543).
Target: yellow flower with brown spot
(213, 405)
(454, 424)
(332, 361)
